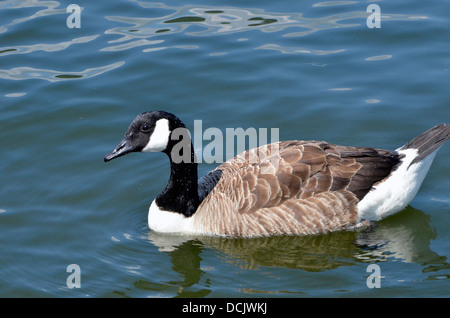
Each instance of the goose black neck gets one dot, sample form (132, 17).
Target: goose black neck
(181, 193)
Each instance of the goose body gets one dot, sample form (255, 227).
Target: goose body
(284, 188)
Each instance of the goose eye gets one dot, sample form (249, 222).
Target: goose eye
(145, 128)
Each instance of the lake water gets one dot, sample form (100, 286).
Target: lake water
(312, 69)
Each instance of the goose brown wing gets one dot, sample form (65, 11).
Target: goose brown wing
(368, 166)
(292, 183)
(268, 175)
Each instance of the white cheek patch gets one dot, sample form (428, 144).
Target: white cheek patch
(160, 137)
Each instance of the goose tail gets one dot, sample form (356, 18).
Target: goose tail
(428, 142)
(399, 188)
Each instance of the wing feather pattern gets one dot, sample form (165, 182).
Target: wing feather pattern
(292, 187)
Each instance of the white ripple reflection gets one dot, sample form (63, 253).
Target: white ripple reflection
(50, 9)
(22, 73)
(151, 33)
(196, 20)
(46, 47)
(297, 50)
(379, 57)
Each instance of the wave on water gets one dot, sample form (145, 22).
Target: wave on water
(151, 33)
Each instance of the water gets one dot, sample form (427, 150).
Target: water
(312, 69)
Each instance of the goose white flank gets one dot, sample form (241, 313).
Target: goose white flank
(285, 188)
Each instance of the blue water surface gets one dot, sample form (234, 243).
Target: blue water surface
(312, 69)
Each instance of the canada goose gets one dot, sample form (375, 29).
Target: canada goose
(301, 187)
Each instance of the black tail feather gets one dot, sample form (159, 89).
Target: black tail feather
(429, 141)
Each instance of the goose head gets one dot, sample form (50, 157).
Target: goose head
(148, 132)
(160, 131)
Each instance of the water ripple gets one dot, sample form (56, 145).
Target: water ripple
(49, 10)
(333, 3)
(53, 47)
(218, 20)
(21, 73)
(297, 50)
(379, 57)
(150, 33)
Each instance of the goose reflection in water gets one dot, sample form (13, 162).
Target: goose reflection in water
(404, 237)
